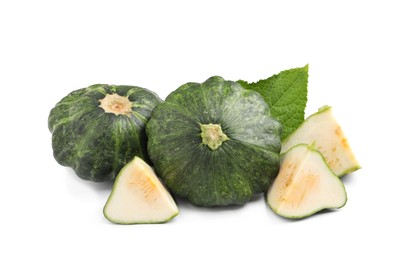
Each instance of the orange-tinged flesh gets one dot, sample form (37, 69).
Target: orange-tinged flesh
(140, 183)
(322, 130)
(138, 196)
(304, 185)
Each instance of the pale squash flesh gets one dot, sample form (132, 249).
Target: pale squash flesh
(139, 197)
(305, 185)
(324, 131)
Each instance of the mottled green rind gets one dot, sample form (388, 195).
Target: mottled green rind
(98, 144)
(242, 166)
(286, 94)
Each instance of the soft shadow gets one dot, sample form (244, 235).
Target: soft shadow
(295, 220)
(348, 178)
(185, 204)
(98, 187)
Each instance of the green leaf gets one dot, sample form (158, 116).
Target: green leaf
(286, 94)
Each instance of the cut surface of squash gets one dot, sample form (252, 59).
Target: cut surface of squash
(324, 131)
(305, 185)
(138, 196)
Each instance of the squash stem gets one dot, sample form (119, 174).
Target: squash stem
(212, 135)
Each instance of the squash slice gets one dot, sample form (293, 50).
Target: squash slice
(322, 129)
(305, 185)
(139, 197)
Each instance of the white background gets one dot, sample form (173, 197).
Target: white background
(362, 57)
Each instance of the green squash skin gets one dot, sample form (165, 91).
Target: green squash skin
(241, 167)
(94, 143)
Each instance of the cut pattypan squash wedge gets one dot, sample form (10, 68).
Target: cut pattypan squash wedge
(139, 197)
